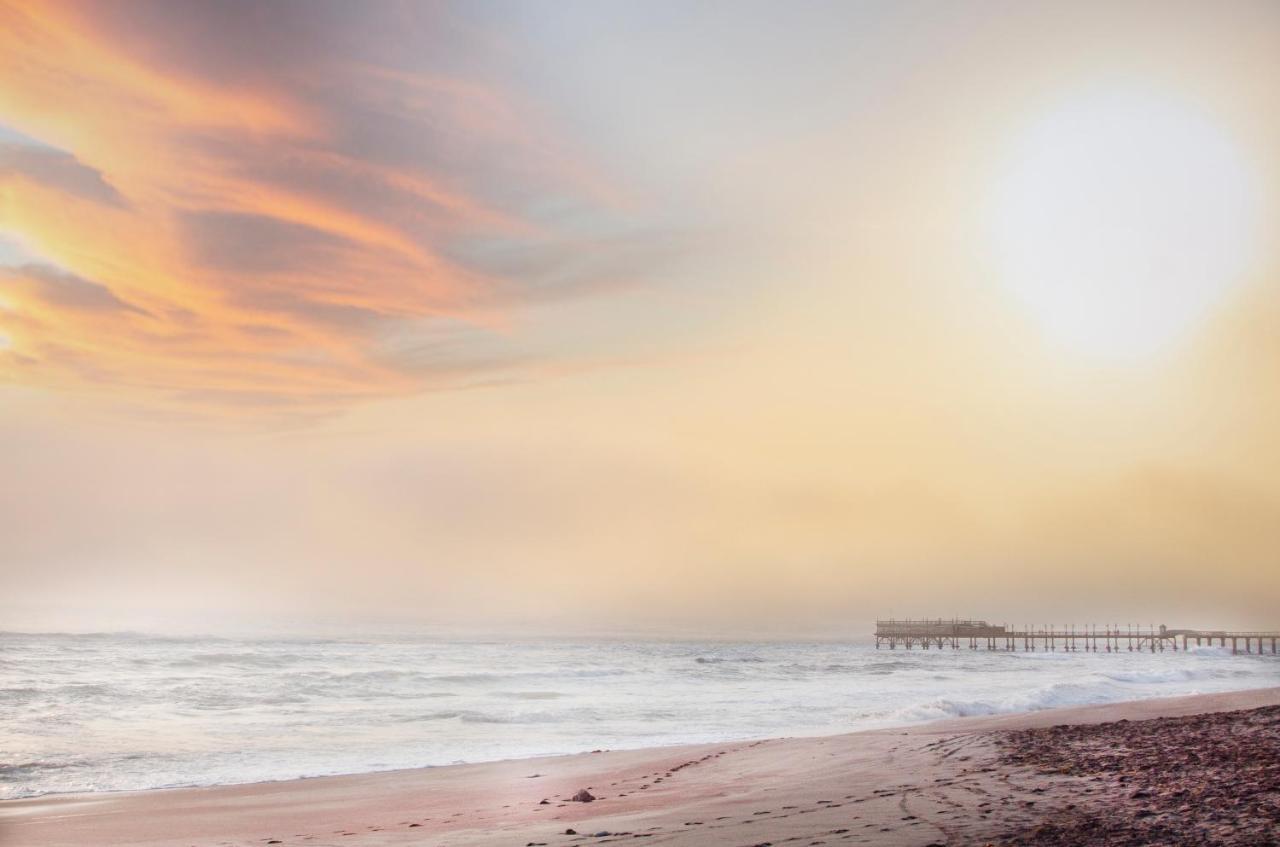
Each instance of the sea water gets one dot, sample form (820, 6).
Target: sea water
(115, 711)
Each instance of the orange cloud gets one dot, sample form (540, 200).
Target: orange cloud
(262, 196)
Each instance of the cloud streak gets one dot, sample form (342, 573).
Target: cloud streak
(61, 291)
(56, 170)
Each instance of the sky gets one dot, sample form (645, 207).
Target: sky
(725, 318)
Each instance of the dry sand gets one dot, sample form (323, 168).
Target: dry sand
(950, 782)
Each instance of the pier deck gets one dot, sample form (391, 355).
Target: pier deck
(1109, 638)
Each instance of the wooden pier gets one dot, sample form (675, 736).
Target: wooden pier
(1092, 638)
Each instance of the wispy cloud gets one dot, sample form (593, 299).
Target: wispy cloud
(56, 290)
(265, 193)
(57, 170)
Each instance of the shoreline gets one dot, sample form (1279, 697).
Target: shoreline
(967, 720)
(501, 802)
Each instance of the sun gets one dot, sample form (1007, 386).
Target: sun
(1120, 219)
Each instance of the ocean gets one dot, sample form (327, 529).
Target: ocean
(120, 711)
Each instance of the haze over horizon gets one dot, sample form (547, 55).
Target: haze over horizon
(597, 317)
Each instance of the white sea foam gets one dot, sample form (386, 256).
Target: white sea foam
(125, 711)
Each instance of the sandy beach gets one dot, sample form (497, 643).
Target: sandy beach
(1009, 779)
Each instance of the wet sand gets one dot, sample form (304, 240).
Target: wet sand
(1012, 779)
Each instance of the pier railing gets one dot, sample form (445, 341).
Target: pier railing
(1110, 638)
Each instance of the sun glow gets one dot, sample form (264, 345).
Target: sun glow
(1121, 219)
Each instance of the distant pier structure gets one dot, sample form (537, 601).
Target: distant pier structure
(1092, 638)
